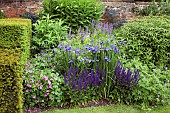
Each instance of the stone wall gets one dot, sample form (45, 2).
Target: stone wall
(124, 9)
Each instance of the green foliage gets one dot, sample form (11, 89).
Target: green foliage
(75, 13)
(74, 97)
(15, 35)
(2, 15)
(148, 39)
(159, 9)
(48, 33)
(154, 84)
(42, 85)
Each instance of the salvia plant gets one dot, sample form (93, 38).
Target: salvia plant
(125, 79)
(86, 78)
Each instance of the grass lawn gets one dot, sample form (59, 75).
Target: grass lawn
(112, 109)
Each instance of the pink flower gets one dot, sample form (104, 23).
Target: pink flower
(35, 64)
(28, 85)
(34, 97)
(45, 78)
(49, 82)
(41, 75)
(42, 101)
(29, 110)
(46, 95)
(38, 101)
(31, 72)
(25, 69)
(27, 64)
(27, 90)
(31, 67)
(23, 76)
(50, 86)
(51, 79)
(41, 87)
(37, 84)
(47, 90)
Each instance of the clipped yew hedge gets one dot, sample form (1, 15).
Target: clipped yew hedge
(15, 35)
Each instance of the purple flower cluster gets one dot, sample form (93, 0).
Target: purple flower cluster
(81, 80)
(125, 78)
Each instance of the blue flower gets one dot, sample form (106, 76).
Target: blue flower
(122, 42)
(60, 45)
(71, 61)
(113, 46)
(77, 51)
(116, 50)
(92, 23)
(85, 59)
(93, 49)
(49, 58)
(69, 48)
(107, 49)
(107, 58)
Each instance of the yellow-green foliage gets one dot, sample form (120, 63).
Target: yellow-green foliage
(15, 37)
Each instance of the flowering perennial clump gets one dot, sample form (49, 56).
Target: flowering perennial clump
(124, 78)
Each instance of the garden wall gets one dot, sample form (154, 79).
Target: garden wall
(13, 9)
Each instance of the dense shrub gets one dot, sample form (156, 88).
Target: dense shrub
(75, 13)
(154, 9)
(48, 33)
(147, 39)
(15, 36)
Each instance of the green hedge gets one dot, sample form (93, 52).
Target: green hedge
(148, 39)
(15, 35)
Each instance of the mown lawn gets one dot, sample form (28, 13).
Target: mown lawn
(113, 109)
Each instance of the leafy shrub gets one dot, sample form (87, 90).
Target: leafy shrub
(147, 39)
(48, 33)
(2, 15)
(153, 86)
(75, 13)
(42, 85)
(154, 9)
